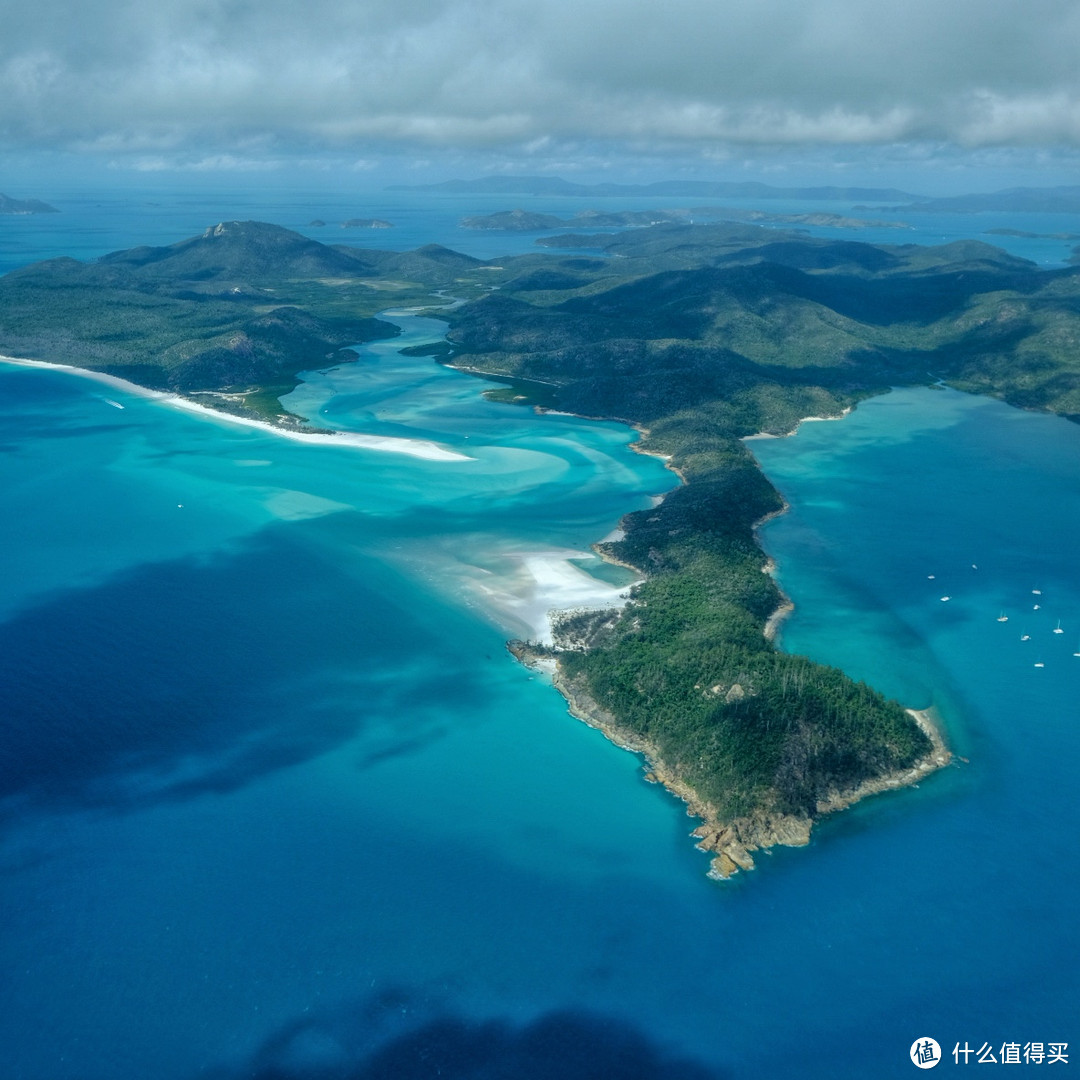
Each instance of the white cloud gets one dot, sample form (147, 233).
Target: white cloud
(240, 80)
(994, 119)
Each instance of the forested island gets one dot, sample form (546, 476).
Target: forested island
(531, 221)
(8, 205)
(702, 189)
(697, 335)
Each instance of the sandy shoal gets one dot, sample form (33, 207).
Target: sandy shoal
(420, 448)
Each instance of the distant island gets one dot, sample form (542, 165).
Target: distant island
(25, 206)
(530, 221)
(354, 223)
(818, 218)
(1025, 200)
(1059, 200)
(1033, 235)
(698, 335)
(703, 189)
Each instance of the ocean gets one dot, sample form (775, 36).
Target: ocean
(275, 800)
(92, 223)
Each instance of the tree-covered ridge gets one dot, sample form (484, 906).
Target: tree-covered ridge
(701, 342)
(699, 335)
(245, 305)
(728, 305)
(687, 669)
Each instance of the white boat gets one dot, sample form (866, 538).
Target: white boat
(944, 598)
(1025, 637)
(1003, 617)
(1039, 663)
(1036, 592)
(1057, 629)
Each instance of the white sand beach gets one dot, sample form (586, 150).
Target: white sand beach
(802, 420)
(542, 582)
(420, 448)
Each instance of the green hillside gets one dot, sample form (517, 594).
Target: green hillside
(697, 334)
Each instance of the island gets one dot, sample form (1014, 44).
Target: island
(820, 218)
(1053, 200)
(530, 221)
(703, 189)
(236, 312)
(1024, 234)
(697, 335)
(9, 205)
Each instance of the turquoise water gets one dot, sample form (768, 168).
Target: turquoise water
(986, 499)
(276, 802)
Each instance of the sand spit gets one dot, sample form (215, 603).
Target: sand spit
(543, 582)
(419, 448)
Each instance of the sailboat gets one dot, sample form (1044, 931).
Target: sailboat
(1003, 617)
(1039, 663)
(1025, 636)
(1057, 629)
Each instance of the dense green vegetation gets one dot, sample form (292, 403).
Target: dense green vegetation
(242, 308)
(703, 335)
(697, 334)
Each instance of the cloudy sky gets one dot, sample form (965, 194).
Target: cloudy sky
(546, 85)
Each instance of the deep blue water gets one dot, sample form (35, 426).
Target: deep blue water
(274, 797)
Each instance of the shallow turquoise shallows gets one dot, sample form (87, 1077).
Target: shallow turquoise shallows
(276, 802)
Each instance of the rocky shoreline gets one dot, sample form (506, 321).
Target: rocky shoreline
(730, 842)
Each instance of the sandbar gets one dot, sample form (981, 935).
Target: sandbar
(547, 581)
(419, 448)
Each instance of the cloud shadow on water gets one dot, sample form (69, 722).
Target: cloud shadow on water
(199, 675)
(393, 1037)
